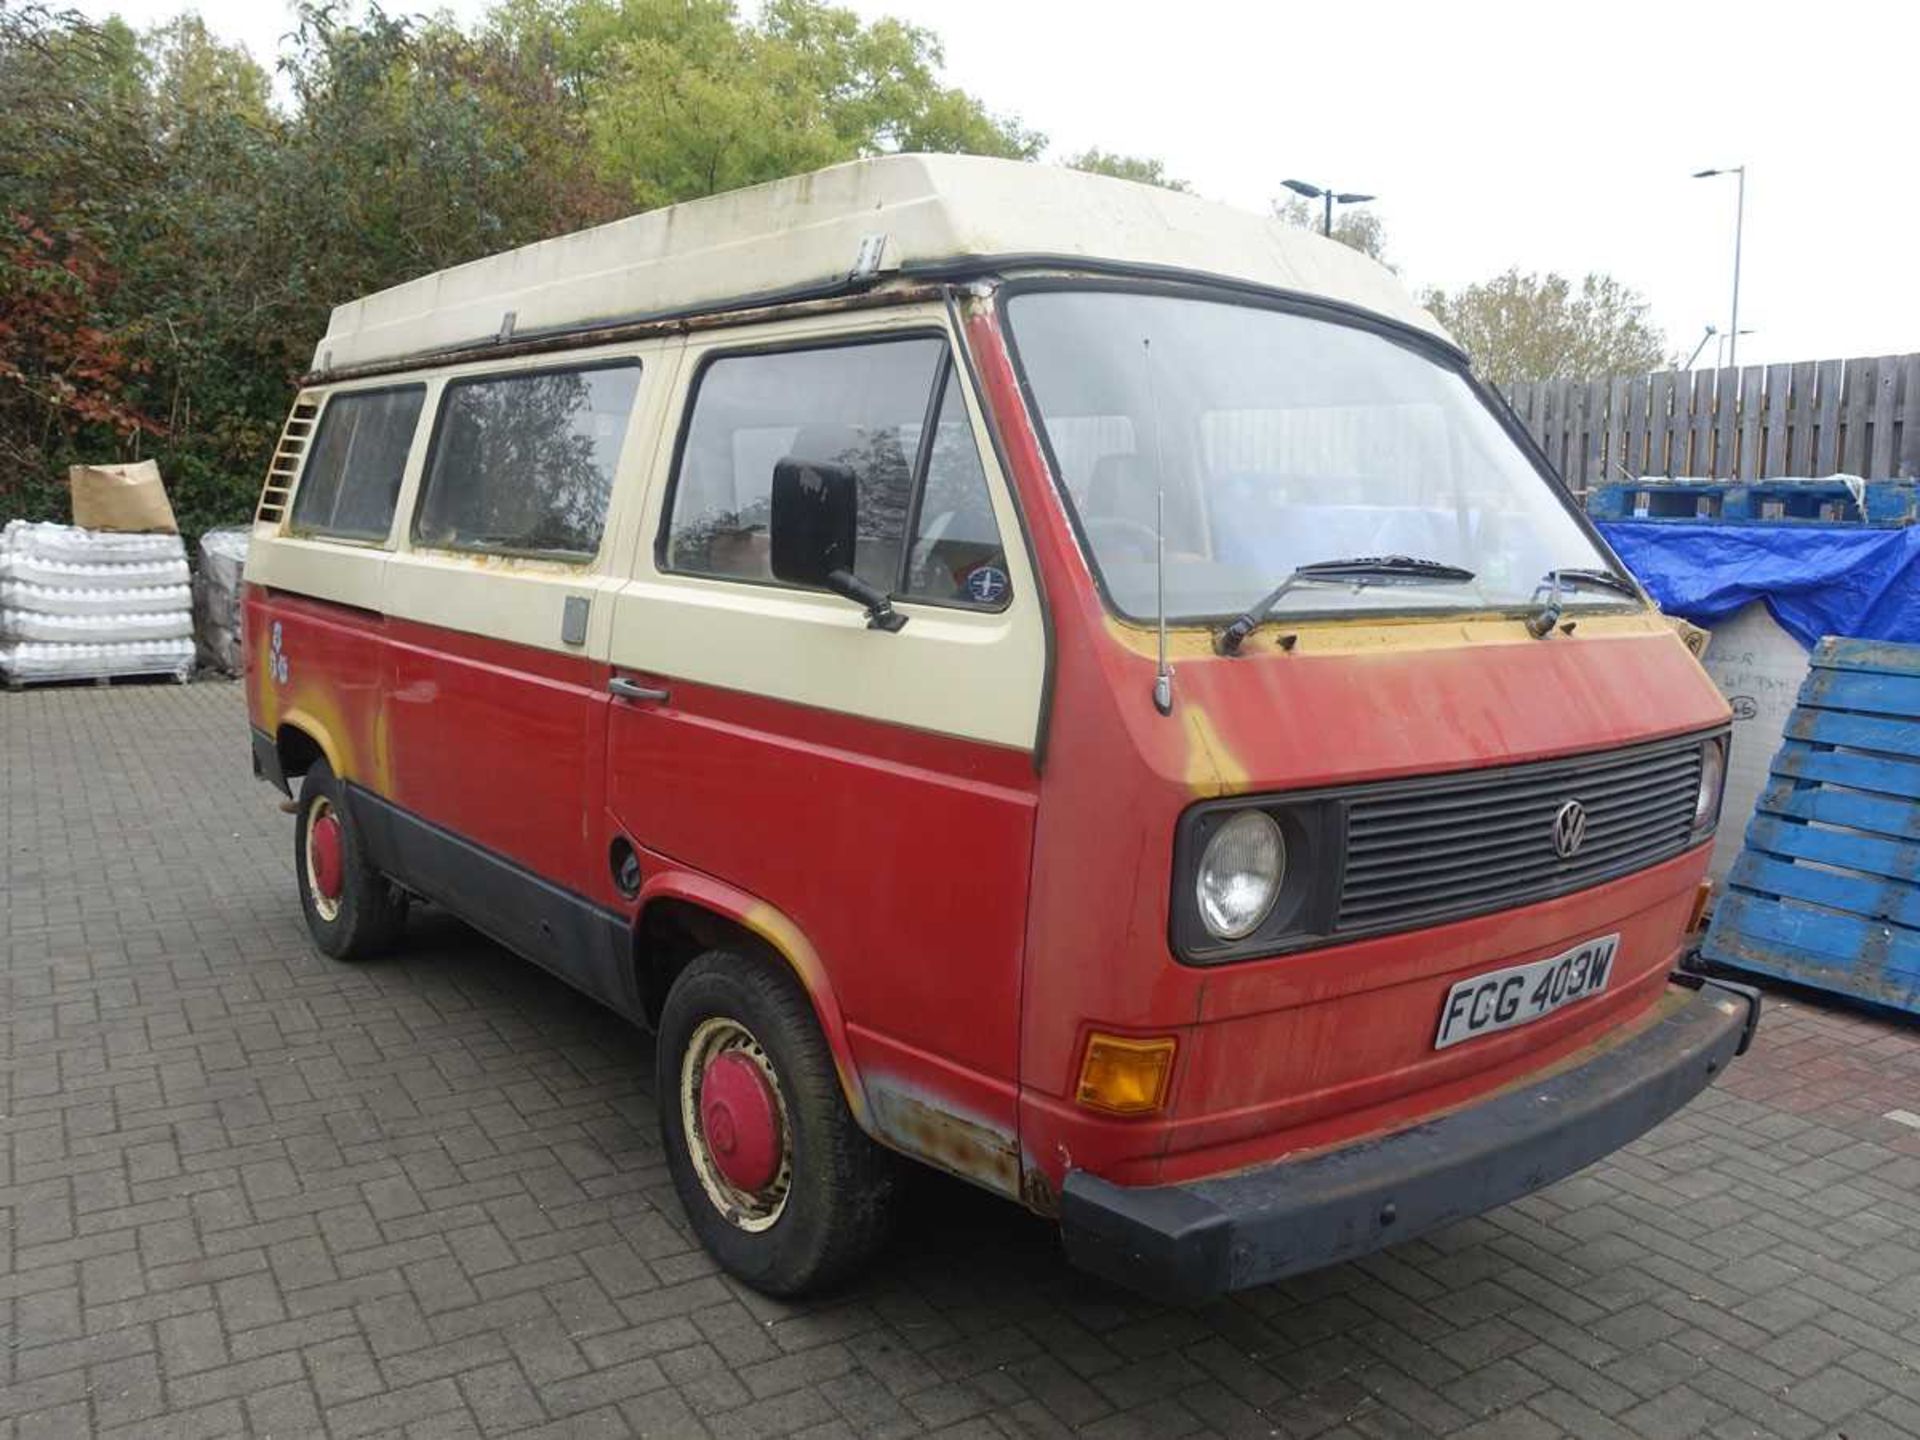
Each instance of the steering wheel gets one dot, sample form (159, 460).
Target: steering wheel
(1140, 539)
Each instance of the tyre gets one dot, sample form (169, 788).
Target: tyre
(782, 1186)
(352, 910)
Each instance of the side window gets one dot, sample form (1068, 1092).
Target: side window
(352, 476)
(525, 461)
(957, 558)
(865, 406)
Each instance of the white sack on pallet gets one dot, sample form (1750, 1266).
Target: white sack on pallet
(78, 575)
(216, 599)
(67, 600)
(28, 625)
(28, 660)
(1759, 667)
(45, 540)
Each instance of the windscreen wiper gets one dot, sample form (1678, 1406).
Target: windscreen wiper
(1554, 585)
(1360, 570)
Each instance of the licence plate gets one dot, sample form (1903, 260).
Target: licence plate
(1502, 999)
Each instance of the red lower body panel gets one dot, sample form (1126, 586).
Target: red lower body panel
(1319, 1048)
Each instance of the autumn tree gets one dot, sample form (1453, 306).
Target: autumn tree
(172, 238)
(1525, 327)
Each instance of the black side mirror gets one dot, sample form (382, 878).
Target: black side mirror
(812, 531)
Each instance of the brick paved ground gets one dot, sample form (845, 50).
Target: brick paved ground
(249, 1191)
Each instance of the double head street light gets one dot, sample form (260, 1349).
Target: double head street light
(1332, 198)
(1739, 223)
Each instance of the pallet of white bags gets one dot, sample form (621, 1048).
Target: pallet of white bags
(85, 605)
(27, 662)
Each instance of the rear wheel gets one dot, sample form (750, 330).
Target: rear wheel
(352, 910)
(781, 1185)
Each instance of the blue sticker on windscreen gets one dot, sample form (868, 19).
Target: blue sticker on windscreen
(988, 585)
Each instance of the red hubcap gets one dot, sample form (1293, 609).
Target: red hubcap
(741, 1121)
(323, 839)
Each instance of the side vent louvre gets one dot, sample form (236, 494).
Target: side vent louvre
(286, 461)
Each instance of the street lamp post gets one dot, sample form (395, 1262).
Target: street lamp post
(1739, 224)
(1331, 198)
(1711, 331)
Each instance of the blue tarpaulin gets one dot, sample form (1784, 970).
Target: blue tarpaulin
(1816, 579)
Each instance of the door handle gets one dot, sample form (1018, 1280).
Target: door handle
(624, 689)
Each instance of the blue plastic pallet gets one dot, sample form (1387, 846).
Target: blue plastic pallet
(1826, 891)
(1770, 502)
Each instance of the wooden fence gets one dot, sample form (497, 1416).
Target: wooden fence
(1858, 417)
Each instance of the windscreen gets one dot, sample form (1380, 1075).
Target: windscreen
(1279, 440)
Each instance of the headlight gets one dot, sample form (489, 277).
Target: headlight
(1240, 874)
(1713, 775)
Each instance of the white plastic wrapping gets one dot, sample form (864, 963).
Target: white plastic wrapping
(61, 600)
(216, 599)
(79, 604)
(23, 660)
(48, 541)
(78, 575)
(155, 625)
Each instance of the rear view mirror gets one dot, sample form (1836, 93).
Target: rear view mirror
(812, 532)
(812, 528)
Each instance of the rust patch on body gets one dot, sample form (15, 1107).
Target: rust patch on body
(962, 1146)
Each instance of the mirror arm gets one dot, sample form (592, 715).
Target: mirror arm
(880, 612)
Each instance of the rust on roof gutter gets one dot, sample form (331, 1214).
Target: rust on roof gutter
(618, 332)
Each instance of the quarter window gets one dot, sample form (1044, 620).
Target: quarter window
(359, 454)
(956, 557)
(892, 412)
(524, 462)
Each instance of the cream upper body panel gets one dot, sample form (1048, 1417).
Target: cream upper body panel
(512, 597)
(890, 215)
(969, 673)
(975, 674)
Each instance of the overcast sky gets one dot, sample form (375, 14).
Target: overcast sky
(1549, 136)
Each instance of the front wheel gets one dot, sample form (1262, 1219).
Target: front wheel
(352, 910)
(782, 1186)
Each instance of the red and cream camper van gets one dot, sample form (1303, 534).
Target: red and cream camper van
(1003, 667)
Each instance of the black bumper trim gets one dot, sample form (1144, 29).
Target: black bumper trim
(1187, 1243)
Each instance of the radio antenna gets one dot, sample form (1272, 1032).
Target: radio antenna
(1163, 672)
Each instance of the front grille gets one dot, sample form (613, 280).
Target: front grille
(1435, 849)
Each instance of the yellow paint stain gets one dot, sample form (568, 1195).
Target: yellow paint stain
(772, 926)
(1212, 768)
(327, 736)
(382, 754)
(1378, 637)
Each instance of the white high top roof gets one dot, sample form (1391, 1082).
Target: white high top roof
(805, 234)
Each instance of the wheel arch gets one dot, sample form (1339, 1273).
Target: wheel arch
(299, 740)
(681, 915)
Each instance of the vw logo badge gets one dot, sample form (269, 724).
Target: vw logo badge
(1569, 829)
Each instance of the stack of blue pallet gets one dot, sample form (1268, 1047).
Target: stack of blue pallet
(1825, 891)
(1834, 499)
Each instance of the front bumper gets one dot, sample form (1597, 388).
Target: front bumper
(1189, 1242)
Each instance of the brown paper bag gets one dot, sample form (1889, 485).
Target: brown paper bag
(120, 497)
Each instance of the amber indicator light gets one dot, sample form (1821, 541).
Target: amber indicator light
(1123, 1076)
